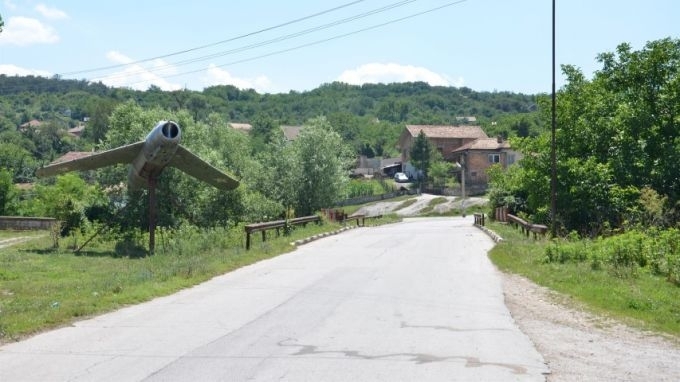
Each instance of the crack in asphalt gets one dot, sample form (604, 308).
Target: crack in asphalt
(418, 358)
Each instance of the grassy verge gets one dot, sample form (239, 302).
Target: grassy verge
(42, 288)
(641, 299)
(13, 234)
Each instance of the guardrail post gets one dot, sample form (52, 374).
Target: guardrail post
(247, 240)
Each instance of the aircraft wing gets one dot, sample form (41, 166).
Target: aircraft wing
(123, 154)
(191, 164)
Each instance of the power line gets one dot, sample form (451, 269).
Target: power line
(282, 50)
(215, 43)
(317, 42)
(266, 42)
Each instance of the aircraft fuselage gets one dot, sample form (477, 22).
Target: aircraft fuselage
(159, 148)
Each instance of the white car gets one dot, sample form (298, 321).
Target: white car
(400, 177)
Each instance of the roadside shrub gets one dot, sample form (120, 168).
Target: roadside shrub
(357, 188)
(567, 251)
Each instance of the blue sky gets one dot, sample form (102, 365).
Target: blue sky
(485, 45)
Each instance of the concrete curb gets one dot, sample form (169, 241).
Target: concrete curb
(493, 235)
(319, 236)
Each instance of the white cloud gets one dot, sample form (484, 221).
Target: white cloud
(118, 57)
(26, 31)
(50, 13)
(137, 76)
(390, 72)
(13, 70)
(218, 76)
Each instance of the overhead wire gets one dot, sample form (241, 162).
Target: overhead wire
(315, 42)
(267, 42)
(215, 43)
(260, 44)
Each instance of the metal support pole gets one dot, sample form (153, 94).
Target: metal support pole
(462, 180)
(152, 215)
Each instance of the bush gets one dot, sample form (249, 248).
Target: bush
(625, 254)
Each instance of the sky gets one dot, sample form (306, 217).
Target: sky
(279, 46)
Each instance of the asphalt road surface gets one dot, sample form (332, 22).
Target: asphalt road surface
(414, 301)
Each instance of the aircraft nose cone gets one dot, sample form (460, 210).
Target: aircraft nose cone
(170, 130)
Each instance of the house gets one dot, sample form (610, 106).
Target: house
(291, 132)
(77, 131)
(244, 127)
(467, 146)
(466, 119)
(444, 138)
(477, 156)
(34, 123)
(377, 165)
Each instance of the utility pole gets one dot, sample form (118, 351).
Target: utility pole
(553, 154)
(462, 182)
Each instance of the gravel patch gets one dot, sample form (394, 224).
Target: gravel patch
(580, 346)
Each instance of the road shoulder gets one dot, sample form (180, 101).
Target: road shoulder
(580, 346)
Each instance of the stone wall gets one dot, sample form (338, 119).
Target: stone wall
(26, 223)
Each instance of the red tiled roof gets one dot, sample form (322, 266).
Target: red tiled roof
(241, 126)
(434, 131)
(76, 131)
(291, 132)
(31, 123)
(484, 144)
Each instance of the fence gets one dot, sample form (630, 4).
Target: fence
(526, 227)
(277, 225)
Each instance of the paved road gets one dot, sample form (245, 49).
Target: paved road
(414, 301)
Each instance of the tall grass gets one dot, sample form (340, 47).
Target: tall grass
(42, 287)
(616, 276)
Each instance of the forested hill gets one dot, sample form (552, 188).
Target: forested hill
(369, 118)
(26, 98)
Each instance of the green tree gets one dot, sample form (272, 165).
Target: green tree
(420, 153)
(324, 163)
(440, 173)
(98, 111)
(66, 201)
(265, 130)
(8, 193)
(617, 134)
(18, 161)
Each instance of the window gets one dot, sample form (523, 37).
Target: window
(494, 158)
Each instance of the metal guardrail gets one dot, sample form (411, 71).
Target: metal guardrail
(479, 219)
(526, 227)
(276, 224)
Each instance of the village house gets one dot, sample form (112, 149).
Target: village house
(477, 156)
(290, 133)
(243, 127)
(467, 146)
(444, 138)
